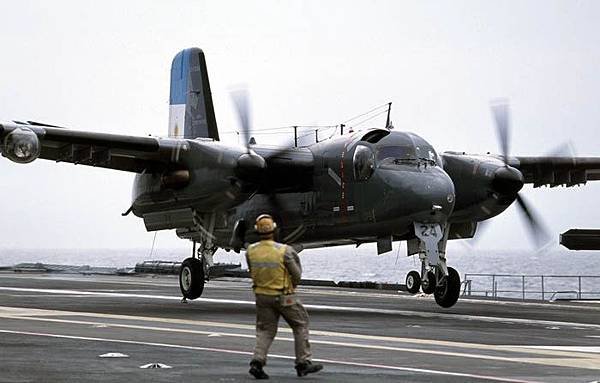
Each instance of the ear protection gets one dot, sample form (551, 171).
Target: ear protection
(266, 227)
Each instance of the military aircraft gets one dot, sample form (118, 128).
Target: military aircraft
(376, 185)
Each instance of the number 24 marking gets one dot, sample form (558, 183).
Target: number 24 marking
(427, 231)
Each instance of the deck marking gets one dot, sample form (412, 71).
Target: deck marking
(549, 356)
(421, 314)
(240, 352)
(579, 305)
(583, 349)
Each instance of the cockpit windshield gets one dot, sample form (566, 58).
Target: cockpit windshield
(393, 148)
(406, 154)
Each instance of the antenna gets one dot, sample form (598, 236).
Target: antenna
(387, 122)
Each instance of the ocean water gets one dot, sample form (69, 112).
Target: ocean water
(348, 263)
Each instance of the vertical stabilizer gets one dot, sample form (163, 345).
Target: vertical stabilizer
(191, 113)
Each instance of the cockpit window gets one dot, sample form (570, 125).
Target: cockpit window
(364, 163)
(426, 153)
(399, 154)
(374, 136)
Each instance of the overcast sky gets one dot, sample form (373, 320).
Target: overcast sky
(104, 66)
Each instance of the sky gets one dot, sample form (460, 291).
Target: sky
(104, 66)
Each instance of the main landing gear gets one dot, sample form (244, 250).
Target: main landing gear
(194, 271)
(435, 277)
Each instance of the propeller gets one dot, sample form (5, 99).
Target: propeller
(566, 149)
(501, 114)
(536, 229)
(241, 101)
(249, 162)
(510, 178)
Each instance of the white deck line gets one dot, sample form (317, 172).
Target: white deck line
(248, 353)
(421, 314)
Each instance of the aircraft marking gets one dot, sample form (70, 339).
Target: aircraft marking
(343, 201)
(277, 356)
(334, 176)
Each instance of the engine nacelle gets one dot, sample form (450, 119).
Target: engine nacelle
(22, 145)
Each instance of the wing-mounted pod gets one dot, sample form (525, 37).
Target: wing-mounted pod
(21, 145)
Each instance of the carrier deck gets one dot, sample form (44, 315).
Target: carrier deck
(56, 327)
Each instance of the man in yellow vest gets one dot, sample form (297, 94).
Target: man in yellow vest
(275, 270)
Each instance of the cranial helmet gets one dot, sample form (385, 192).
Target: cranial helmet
(265, 224)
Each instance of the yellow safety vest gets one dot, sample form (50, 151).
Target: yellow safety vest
(267, 268)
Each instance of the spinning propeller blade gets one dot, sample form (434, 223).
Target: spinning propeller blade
(536, 228)
(242, 105)
(500, 111)
(253, 166)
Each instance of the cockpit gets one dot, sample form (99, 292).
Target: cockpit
(382, 148)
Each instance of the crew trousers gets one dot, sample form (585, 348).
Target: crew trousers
(268, 310)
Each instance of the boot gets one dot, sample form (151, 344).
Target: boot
(308, 367)
(256, 370)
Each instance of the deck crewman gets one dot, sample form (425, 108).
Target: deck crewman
(275, 270)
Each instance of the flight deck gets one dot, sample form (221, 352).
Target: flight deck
(56, 327)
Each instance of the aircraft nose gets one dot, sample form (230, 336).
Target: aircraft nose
(438, 194)
(507, 180)
(422, 196)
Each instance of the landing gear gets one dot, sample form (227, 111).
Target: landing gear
(194, 271)
(413, 282)
(446, 293)
(191, 278)
(428, 285)
(435, 278)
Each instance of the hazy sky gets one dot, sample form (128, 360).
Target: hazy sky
(104, 66)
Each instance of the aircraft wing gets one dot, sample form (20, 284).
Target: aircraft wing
(114, 151)
(557, 171)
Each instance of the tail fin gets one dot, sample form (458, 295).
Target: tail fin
(191, 113)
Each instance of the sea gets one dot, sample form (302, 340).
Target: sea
(511, 273)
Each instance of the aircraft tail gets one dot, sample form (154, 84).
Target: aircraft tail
(191, 113)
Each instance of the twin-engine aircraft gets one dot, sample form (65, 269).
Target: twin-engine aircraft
(376, 185)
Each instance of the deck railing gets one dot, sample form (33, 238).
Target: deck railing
(532, 287)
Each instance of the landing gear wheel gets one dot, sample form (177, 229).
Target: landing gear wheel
(413, 282)
(447, 293)
(429, 287)
(191, 278)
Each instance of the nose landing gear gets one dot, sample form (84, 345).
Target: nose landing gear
(446, 293)
(413, 282)
(435, 278)
(428, 285)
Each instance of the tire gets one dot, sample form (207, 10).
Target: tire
(191, 278)
(430, 287)
(447, 293)
(413, 282)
